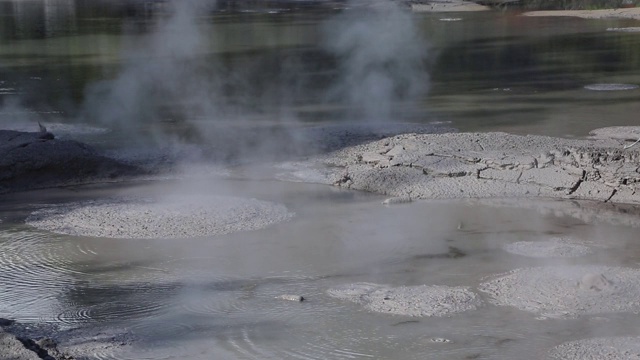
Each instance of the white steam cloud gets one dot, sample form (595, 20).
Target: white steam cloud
(381, 54)
(164, 72)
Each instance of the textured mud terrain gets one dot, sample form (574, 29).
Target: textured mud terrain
(485, 165)
(625, 13)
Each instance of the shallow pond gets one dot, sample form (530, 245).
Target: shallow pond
(217, 296)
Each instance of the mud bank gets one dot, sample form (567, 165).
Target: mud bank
(490, 165)
(30, 160)
(17, 344)
(552, 248)
(630, 13)
(169, 218)
(567, 291)
(447, 6)
(614, 348)
(417, 301)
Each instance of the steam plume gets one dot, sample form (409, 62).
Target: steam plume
(381, 55)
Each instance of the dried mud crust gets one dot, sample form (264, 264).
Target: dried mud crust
(490, 165)
(147, 218)
(567, 291)
(625, 13)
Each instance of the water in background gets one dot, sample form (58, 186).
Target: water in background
(488, 71)
(215, 297)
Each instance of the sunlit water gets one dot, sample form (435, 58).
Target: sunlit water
(215, 297)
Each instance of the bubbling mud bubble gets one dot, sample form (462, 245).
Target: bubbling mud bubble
(611, 87)
(567, 291)
(184, 217)
(611, 348)
(554, 247)
(422, 300)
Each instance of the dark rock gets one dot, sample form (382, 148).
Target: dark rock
(6, 322)
(30, 160)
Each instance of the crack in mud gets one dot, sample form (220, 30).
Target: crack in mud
(453, 165)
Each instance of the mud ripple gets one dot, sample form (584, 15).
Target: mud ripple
(35, 271)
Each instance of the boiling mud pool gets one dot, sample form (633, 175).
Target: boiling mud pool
(216, 297)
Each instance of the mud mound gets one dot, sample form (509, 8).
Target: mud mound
(59, 129)
(611, 87)
(554, 247)
(625, 29)
(613, 348)
(423, 300)
(567, 291)
(146, 218)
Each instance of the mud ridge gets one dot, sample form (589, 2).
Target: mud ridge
(491, 165)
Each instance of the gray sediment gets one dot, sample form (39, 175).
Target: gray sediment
(418, 301)
(567, 291)
(550, 248)
(625, 29)
(488, 165)
(30, 160)
(611, 87)
(610, 348)
(167, 218)
(17, 342)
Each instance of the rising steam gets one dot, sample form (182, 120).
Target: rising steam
(381, 54)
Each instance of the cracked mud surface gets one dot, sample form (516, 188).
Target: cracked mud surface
(485, 165)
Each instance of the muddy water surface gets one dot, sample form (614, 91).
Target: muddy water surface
(216, 297)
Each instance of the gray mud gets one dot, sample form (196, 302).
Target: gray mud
(567, 291)
(30, 160)
(551, 248)
(418, 301)
(487, 165)
(611, 87)
(625, 29)
(24, 341)
(611, 348)
(182, 217)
